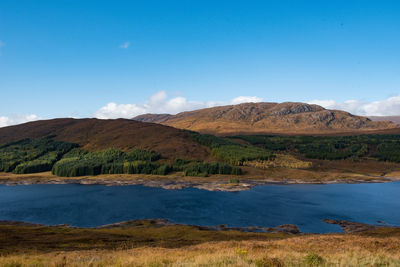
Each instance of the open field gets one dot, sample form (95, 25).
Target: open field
(148, 245)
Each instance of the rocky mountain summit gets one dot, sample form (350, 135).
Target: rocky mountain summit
(288, 117)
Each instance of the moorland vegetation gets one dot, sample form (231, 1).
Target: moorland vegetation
(381, 147)
(259, 151)
(68, 160)
(145, 243)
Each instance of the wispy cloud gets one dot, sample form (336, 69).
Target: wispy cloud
(17, 119)
(125, 45)
(161, 103)
(385, 107)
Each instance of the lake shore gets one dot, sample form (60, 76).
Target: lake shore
(348, 227)
(212, 183)
(156, 243)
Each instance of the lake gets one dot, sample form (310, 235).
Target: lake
(271, 205)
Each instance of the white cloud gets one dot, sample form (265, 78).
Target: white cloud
(386, 107)
(125, 45)
(161, 103)
(17, 119)
(246, 99)
(113, 111)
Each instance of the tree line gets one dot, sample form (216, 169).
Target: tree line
(68, 160)
(231, 152)
(382, 147)
(30, 156)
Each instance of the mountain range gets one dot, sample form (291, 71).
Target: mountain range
(269, 118)
(167, 134)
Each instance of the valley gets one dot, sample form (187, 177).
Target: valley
(63, 171)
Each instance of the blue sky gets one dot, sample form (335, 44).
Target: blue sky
(76, 58)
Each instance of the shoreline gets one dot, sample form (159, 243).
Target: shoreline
(159, 222)
(176, 182)
(348, 227)
(145, 243)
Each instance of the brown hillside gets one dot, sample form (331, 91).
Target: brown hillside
(281, 118)
(155, 118)
(394, 119)
(95, 134)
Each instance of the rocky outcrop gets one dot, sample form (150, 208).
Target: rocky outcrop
(352, 227)
(156, 118)
(293, 108)
(285, 228)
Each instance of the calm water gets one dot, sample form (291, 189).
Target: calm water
(303, 205)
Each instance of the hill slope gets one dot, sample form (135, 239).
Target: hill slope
(95, 134)
(394, 119)
(284, 118)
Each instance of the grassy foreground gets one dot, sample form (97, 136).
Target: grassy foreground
(146, 244)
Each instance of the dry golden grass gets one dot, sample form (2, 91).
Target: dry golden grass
(23, 238)
(314, 250)
(280, 160)
(145, 243)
